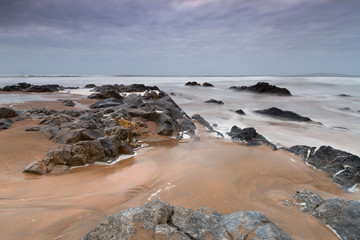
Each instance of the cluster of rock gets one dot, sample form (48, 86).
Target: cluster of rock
(342, 216)
(263, 87)
(342, 167)
(5, 117)
(26, 87)
(107, 129)
(160, 220)
(205, 84)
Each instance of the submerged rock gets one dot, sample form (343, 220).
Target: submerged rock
(159, 220)
(342, 216)
(263, 87)
(287, 115)
(249, 136)
(240, 112)
(206, 84)
(214, 101)
(192, 84)
(342, 167)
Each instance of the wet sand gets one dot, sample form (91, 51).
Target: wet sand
(223, 175)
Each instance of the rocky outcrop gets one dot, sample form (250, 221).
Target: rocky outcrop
(107, 129)
(286, 115)
(263, 87)
(159, 220)
(206, 84)
(342, 216)
(205, 123)
(7, 112)
(214, 101)
(342, 167)
(249, 136)
(25, 87)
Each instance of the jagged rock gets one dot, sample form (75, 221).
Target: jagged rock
(202, 121)
(91, 85)
(214, 101)
(250, 136)
(159, 220)
(206, 84)
(105, 103)
(126, 88)
(287, 115)
(192, 84)
(105, 95)
(7, 112)
(263, 87)
(240, 112)
(68, 102)
(342, 216)
(6, 123)
(342, 167)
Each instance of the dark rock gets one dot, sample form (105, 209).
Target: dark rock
(342, 167)
(202, 121)
(287, 115)
(105, 95)
(71, 87)
(17, 87)
(89, 134)
(133, 100)
(250, 136)
(33, 129)
(91, 85)
(44, 88)
(68, 102)
(126, 88)
(263, 87)
(214, 101)
(7, 112)
(206, 84)
(344, 95)
(105, 103)
(6, 123)
(192, 84)
(342, 216)
(240, 112)
(159, 220)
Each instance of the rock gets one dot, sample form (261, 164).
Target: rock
(37, 167)
(263, 87)
(240, 112)
(126, 88)
(44, 88)
(214, 101)
(287, 115)
(91, 85)
(17, 87)
(7, 112)
(342, 167)
(33, 129)
(105, 103)
(206, 84)
(342, 216)
(105, 95)
(202, 121)
(159, 220)
(309, 199)
(249, 136)
(344, 95)
(6, 123)
(71, 87)
(67, 102)
(192, 84)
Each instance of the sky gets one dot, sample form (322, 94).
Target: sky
(180, 37)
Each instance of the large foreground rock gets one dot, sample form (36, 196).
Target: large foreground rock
(342, 167)
(159, 220)
(342, 216)
(263, 87)
(282, 114)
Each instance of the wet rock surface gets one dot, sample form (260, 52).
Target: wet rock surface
(25, 87)
(283, 114)
(342, 216)
(106, 130)
(205, 123)
(214, 101)
(160, 220)
(342, 167)
(263, 87)
(249, 136)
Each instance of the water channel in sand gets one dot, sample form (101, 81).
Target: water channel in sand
(223, 175)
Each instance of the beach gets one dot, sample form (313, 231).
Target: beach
(206, 171)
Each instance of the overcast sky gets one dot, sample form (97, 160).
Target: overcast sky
(179, 37)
